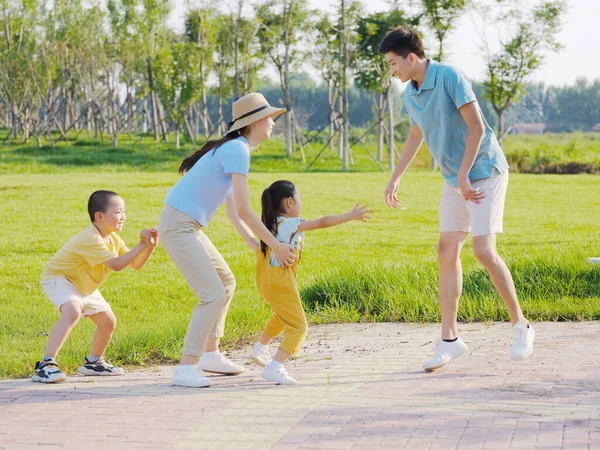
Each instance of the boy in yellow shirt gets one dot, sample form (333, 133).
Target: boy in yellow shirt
(72, 276)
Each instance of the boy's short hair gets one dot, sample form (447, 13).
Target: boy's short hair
(99, 202)
(402, 41)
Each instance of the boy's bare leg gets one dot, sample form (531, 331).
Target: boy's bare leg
(105, 327)
(70, 313)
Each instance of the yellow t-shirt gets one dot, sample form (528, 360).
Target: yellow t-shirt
(81, 259)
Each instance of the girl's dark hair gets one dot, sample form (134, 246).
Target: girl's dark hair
(402, 41)
(271, 205)
(99, 202)
(189, 162)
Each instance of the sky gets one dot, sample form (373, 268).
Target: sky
(580, 56)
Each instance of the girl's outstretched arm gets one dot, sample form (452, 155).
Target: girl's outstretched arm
(357, 213)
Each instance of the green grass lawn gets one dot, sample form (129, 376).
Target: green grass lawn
(380, 271)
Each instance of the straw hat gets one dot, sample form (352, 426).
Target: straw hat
(249, 109)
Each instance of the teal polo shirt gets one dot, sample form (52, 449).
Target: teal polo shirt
(434, 109)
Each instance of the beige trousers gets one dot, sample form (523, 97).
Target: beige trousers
(204, 270)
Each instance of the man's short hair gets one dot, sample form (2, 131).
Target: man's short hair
(402, 41)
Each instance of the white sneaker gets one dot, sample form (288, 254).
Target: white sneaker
(523, 336)
(46, 371)
(260, 355)
(99, 368)
(189, 376)
(278, 375)
(593, 260)
(444, 353)
(217, 363)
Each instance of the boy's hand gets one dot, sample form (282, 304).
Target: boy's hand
(153, 237)
(390, 194)
(146, 237)
(360, 212)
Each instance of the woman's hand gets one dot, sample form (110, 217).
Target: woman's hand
(285, 254)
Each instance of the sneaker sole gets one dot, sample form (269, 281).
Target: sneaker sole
(48, 381)
(92, 373)
(222, 373)
(194, 386)
(257, 361)
(521, 358)
(432, 369)
(278, 383)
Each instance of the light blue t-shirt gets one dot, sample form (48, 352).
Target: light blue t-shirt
(208, 184)
(287, 232)
(434, 109)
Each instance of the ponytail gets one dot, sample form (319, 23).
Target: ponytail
(271, 205)
(189, 162)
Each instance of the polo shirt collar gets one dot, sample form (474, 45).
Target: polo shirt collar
(430, 76)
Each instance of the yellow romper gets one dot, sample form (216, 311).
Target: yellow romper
(279, 289)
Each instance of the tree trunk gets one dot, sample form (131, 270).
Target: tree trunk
(114, 103)
(74, 114)
(161, 120)
(205, 113)
(25, 125)
(147, 118)
(380, 127)
(289, 146)
(189, 127)
(390, 130)
(344, 87)
(220, 119)
(88, 116)
(287, 100)
(15, 120)
(129, 111)
(177, 133)
(65, 109)
(500, 113)
(236, 80)
(331, 104)
(95, 118)
(295, 138)
(340, 127)
(154, 107)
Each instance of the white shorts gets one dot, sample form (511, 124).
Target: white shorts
(60, 291)
(480, 219)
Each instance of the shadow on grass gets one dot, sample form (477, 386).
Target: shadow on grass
(85, 155)
(151, 156)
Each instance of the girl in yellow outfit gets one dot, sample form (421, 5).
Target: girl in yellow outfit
(277, 285)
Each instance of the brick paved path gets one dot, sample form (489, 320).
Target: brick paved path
(361, 387)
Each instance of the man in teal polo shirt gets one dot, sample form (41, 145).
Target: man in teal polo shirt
(444, 112)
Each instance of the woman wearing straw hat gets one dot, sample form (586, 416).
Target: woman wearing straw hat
(215, 174)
